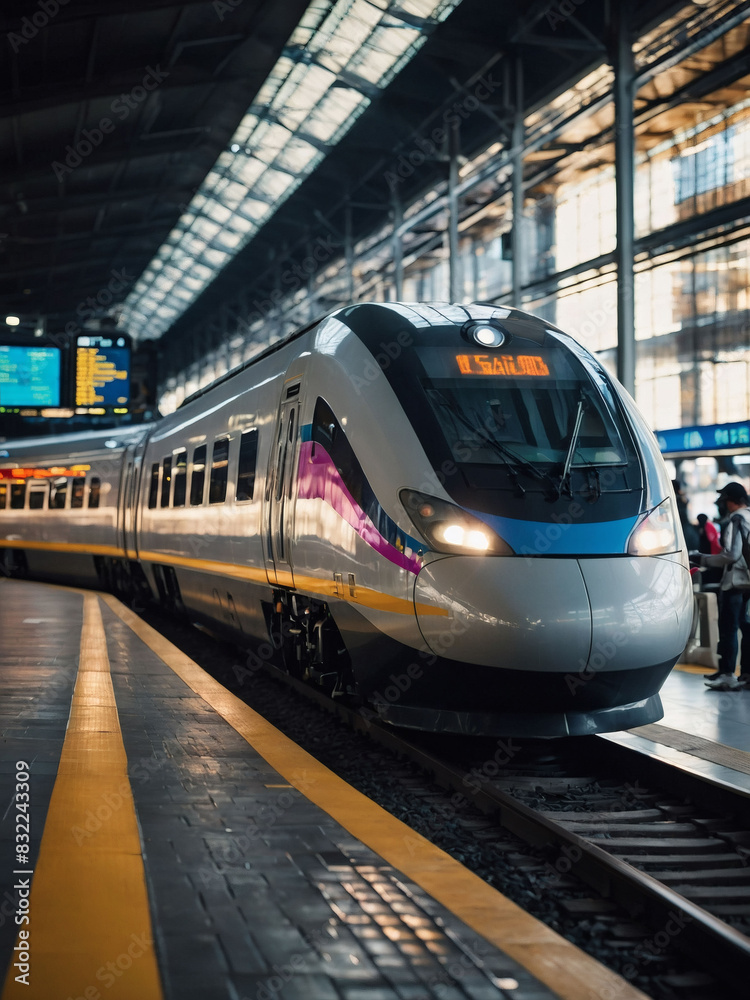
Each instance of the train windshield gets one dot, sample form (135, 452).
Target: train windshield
(540, 421)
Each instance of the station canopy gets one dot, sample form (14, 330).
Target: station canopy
(158, 155)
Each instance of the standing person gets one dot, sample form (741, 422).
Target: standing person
(710, 545)
(689, 530)
(708, 536)
(734, 591)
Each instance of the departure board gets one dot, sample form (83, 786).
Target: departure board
(29, 376)
(102, 372)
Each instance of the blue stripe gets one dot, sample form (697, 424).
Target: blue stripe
(558, 538)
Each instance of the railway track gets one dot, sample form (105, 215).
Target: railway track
(670, 848)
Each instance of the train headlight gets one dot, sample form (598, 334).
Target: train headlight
(448, 528)
(485, 334)
(656, 533)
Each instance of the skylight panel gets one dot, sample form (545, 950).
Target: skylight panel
(327, 119)
(228, 239)
(193, 283)
(273, 183)
(246, 170)
(202, 272)
(296, 156)
(253, 209)
(221, 213)
(270, 141)
(240, 223)
(377, 58)
(206, 228)
(315, 92)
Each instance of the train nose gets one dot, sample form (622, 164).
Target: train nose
(555, 615)
(509, 612)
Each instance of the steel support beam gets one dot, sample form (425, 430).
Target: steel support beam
(397, 248)
(517, 182)
(623, 64)
(454, 262)
(349, 251)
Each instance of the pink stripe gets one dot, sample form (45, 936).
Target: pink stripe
(319, 479)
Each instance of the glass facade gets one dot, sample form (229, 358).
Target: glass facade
(692, 284)
(692, 233)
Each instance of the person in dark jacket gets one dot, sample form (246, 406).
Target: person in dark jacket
(689, 530)
(734, 591)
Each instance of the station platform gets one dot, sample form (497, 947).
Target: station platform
(160, 839)
(703, 731)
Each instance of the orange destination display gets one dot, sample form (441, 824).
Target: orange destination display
(102, 372)
(501, 364)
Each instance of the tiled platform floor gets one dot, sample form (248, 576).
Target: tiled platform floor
(255, 892)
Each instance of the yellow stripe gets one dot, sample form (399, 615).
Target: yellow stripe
(694, 668)
(85, 547)
(374, 599)
(315, 585)
(560, 965)
(232, 570)
(89, 905)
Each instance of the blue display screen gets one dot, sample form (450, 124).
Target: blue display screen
(711, 437)
(29, 376)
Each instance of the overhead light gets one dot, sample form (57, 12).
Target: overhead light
(12, 320)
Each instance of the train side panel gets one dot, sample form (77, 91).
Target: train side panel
(201, 541)
(60, 516)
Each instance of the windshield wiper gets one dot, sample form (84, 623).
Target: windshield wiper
(565, 477)
(506, 453)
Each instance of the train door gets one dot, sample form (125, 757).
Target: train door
(126, 479)
(280, 485)
(129, 498)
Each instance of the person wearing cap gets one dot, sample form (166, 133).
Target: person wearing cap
(734, 591)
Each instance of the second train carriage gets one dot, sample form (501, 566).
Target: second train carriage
(451, 510)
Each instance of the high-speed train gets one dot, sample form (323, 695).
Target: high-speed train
(452, 513)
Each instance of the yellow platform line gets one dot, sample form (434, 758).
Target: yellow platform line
(90, 928)
(567, 971)
(694, 668)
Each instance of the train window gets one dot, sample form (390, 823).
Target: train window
(37, 495)
(95, 488)
(534, 420)
(327, 432)
(198, 478)
(58, 493)
(3, 495)
(290, 439)
(153, 490)
(166, 480)
(77, 491)
(217, 488)
(17, 495)
(246, 466)
(179, 472)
